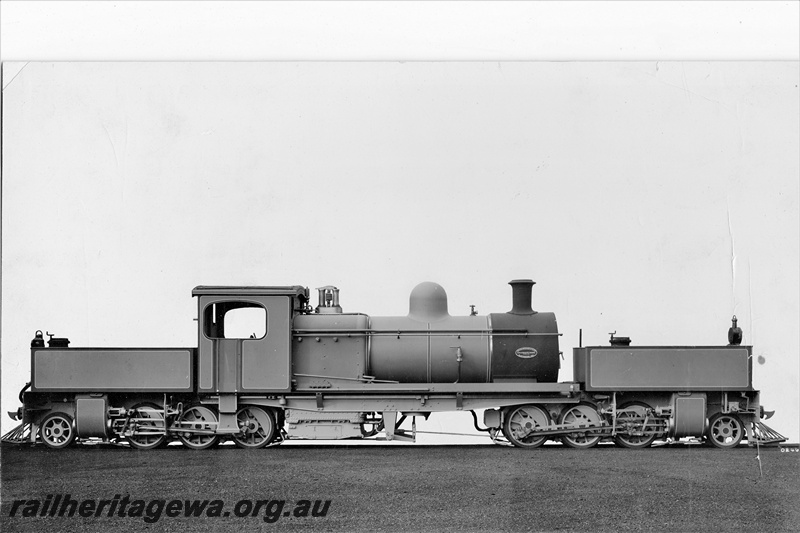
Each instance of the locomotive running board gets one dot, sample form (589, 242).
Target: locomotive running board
(526, 387)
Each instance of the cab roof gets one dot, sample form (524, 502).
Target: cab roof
(220, 290)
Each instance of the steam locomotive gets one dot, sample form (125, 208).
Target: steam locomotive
(269, 368)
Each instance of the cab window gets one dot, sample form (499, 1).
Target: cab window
(235, 320)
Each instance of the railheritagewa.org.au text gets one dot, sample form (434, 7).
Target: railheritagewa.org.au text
(153, 510)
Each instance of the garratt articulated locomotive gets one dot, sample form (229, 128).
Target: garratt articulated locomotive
(269, 368)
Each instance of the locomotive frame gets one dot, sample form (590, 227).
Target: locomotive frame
(320, 373)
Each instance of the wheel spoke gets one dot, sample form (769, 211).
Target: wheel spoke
(148, 420)
(581, 415)
(521, 422)
(257, 427)
(56, 430)
(202, 419)
(635, 429)
(725, 431)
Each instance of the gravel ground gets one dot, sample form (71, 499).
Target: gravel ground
(414, 488)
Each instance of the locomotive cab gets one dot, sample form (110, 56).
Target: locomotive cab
(244, 337)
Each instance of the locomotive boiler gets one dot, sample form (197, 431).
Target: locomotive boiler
(269, 368)
(431, 346)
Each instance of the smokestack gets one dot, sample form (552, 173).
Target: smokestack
(521, 296)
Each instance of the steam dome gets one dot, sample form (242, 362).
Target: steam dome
(428, 302)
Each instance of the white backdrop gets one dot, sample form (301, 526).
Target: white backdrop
(82, 235)
(655, 199)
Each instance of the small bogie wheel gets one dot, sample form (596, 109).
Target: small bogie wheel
(202, 423)
(257, 427)
(631, 424)
(57, 430)
(725, 431)
(521, 421)
(144, 440)
(581, 415)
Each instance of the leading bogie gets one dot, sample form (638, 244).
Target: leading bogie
(57, 430)
(725, 430)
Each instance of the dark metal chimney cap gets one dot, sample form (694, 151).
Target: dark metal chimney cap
(521, 296)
